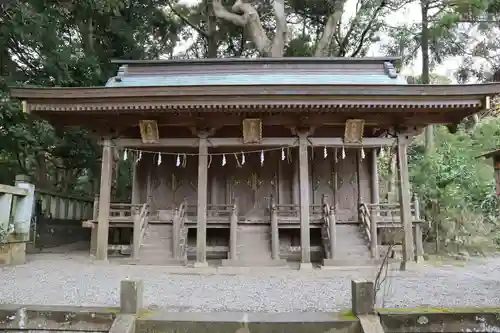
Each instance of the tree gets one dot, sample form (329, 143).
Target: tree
(68, 43)
(296, 28)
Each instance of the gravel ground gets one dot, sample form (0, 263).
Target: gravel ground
(54, 279)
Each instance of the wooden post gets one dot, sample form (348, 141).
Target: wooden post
(305, 241)
(376, 202)
(233, 237)
(201, 229)
(136, 183)
(176, 233)
(333, 233)
(405, 200)
(275, 239)
(95, 212)
(295, 182)
(104, 200)
(136, 233)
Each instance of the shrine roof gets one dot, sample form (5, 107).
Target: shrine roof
(259, 71)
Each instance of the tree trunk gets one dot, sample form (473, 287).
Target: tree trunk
(211, 31)
(324, 46)
(424, 44)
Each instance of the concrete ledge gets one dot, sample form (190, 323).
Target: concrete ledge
(402, 320)
(230, 322)
(352, 263)
(18, 317)
(154, 262)
(256, 263)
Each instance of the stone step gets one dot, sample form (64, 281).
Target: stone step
(157, 245)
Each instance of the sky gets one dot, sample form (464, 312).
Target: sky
(408, 14)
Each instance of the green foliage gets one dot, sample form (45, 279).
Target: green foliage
(69, 44)
(458, 188)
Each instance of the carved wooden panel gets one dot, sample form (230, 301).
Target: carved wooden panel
(347, 187)
(322, 176)
(173, 184)
(253, 184)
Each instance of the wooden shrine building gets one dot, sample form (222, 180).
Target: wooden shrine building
(256, 161)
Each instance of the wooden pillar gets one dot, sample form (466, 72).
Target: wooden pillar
(104, 200)
(136, 199)
(295, 182)
(376, 201)
(305, 241)
(405, 199)
(201, 229)
(332, 230)
(275, 238)
(281, 184)
(233, 234)
(149, 180)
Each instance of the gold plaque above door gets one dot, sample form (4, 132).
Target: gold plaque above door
(252, 130)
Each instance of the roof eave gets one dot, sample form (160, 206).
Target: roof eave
(422, 91)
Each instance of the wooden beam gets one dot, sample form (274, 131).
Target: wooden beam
(238, 142)
(286, 118)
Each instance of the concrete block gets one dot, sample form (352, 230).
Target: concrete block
(199, 264)
(362, 297)
(306, 266)
(131, 296)
(123, 324)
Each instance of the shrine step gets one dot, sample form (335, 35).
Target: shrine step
(254, 243)
(351, 245)
(157, 243)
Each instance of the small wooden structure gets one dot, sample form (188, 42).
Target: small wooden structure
(495, 156)
(286, 147)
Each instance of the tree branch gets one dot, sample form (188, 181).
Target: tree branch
(186, 20)
(224, 14)
(368, 28)
(279, 40)
(250, 20)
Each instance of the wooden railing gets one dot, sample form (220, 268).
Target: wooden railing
(180, 232)
(390, 212)
(375, 216)
(369, 227)
(291, 212)
(54, 205)
(124, 210)
(140, 226)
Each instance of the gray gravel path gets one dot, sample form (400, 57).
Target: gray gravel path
(58, 279)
